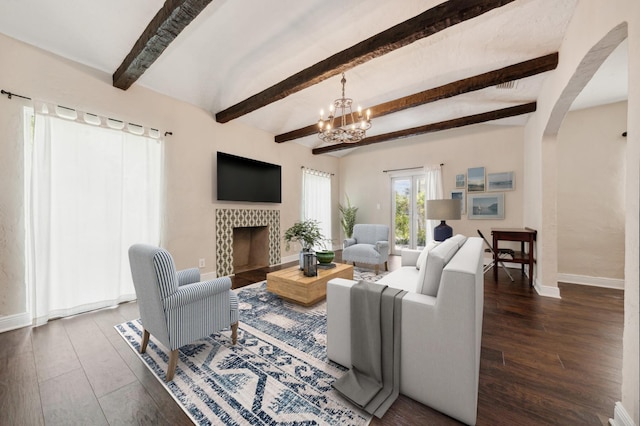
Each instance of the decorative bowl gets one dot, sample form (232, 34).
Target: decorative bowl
(325, 256)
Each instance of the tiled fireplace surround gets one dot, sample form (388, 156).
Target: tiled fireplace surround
(227, 219)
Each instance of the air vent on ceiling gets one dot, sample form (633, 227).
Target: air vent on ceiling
(508, 85)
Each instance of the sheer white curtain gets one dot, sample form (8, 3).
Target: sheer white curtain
(94, 191)
(432, 191)
(316, 199)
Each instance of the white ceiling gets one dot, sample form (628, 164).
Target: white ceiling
(235, 49)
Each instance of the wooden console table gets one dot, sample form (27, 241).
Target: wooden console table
(524, 257)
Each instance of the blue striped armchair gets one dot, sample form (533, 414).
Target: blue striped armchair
(175, 306)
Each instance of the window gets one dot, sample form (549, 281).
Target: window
(407, 199)
(94, 191)
(316, 199)
(409, 192)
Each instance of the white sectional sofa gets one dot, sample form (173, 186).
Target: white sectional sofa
(441, 324)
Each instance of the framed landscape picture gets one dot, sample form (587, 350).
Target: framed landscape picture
(458, 194)
(475, 179)
(500, 181)
(460, 181)
(486, 206)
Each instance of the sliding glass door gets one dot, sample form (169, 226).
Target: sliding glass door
(407, 200)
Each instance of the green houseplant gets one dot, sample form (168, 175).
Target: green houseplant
(348, 217)
(307, 234)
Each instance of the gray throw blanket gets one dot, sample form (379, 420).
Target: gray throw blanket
(373, 383)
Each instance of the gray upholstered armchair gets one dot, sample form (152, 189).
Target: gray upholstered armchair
(369, 244)
(175, 306)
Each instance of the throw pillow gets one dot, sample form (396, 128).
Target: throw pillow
(423, 254)
(435, 262)
(460, 239)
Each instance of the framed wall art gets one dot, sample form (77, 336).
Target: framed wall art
(458, 194)
(485, 206)
(475, 179)
(460, 181)
(501, 181)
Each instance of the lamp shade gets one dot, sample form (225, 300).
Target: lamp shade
(443, 209)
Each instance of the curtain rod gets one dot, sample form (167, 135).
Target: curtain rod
(10, 95)
(406, 168)
(308, 168)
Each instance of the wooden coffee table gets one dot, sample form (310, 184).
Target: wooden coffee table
(292, 285)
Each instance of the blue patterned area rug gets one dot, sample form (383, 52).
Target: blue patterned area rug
(278, 372)
(367, 274)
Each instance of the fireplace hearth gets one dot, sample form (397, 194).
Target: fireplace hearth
(250, 248)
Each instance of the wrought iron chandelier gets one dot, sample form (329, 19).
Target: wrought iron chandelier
(342, 126)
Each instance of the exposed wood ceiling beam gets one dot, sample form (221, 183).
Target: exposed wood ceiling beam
(170, 20)
(433, 127)
(481, 81)
(427, 23)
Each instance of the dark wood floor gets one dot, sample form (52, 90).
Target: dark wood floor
(544, 361)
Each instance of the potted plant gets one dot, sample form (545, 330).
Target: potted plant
(348, 218)
(306, 233)
(326, 255)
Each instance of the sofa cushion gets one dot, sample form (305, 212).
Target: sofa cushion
(430, 245)
(433, 265)
(404, 278)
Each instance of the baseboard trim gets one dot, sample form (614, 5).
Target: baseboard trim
(12, 322)
(545, 290)
(621, 417)
(615, 283)
(291, 258)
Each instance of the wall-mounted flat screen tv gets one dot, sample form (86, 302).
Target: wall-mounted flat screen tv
(244, 179)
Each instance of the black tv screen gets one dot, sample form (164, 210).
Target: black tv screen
(244, 179)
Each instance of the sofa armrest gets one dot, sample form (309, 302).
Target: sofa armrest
(188, 276)
(339, 320)
(382, 247)
(409, 257)
(348, 242)
(190, 293)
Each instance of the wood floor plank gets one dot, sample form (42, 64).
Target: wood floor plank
(69, 400)
(15, 342)
(53, 351)
(85, 335)
(171, 412)
(19, 396)
(131, 404)
(104, 368)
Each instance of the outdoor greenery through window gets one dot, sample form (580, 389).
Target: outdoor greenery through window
(408, 198)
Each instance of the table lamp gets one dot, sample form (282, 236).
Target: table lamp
(443, 210)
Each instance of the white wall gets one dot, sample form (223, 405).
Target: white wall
(594, 31)
(591, 171)
(497, 148)
(189, 222)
